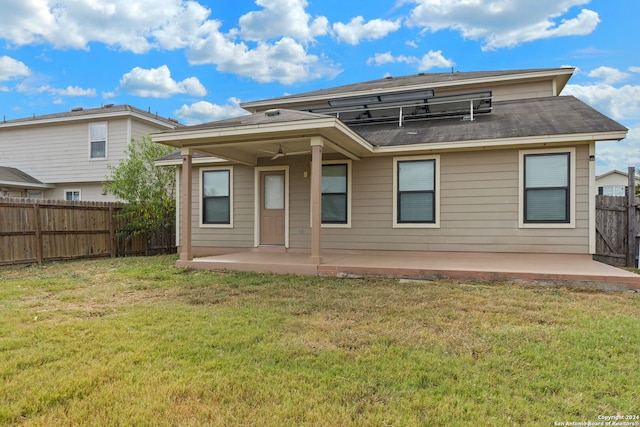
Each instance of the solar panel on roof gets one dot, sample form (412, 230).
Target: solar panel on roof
(401, 106)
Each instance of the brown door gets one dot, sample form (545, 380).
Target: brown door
(272, 209)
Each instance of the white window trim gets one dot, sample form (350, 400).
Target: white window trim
(436, 224)
(572, 188)
(201, 196)
(349, 163)
(106, 141)
(73, 190)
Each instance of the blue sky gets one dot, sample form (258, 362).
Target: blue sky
(197, 60)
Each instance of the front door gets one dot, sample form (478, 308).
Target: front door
(272, 208)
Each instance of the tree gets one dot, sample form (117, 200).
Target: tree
(148, 191)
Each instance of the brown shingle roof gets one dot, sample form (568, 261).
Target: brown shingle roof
(563, 115)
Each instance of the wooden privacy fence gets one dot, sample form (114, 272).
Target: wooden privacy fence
(35, 231)
(617, 227)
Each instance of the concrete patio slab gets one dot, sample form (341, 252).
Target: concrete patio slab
(551, 269)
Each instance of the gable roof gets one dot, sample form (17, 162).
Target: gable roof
(104, 112)
(415, 82)
(612, 172)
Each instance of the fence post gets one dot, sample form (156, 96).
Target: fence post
(632, 248)
(112, 232)
(37, 224)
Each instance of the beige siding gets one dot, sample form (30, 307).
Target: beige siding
(89, 191)
(139, 129)
(59, 153)
(242, 234)
(479, 209)
(507, 92)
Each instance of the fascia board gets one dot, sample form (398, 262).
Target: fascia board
(196, 161)
(238, 133)
(27, 185)
(486, 143)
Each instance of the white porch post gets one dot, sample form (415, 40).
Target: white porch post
(186, 252)
(316, 198)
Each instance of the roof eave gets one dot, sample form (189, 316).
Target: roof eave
(502, 142)
(26, 185)
(90, 117)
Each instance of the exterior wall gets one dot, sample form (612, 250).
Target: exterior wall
(89, 191)
(507, 92)
(59, 153)
(614, 179)
(242, 233)
(478, 212)
(139, 129)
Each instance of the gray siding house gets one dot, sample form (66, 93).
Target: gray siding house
(67, 155)
(461, 162)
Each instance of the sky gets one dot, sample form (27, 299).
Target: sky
(196, 61)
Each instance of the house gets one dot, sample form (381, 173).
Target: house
(613, 183)
(67, 155)
(490, 161)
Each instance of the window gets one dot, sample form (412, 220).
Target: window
(98, 141)
(613, 190)
(416, 182)
(334, 194)
(72, 195)
(547, 188)
(35, 195)
(216, 197)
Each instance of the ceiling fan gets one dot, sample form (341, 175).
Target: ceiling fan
(282, 153)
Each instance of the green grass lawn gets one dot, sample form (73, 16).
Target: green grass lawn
(138, 342)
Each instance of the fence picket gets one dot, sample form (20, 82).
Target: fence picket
(35, 231)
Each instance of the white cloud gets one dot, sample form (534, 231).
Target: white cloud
(619, 103)
(357, 30)
(68, 91)
(619, 154)
(129, 25)
(285, 61)
(504, 23)
(432, 59)
(142, 25)
(282, 18)
(157, 83)
(204, 112)
(609, 75)
(11, 68)
(634, 69)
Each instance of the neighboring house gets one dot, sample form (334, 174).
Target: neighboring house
(66, 155)
(465, 161)
(613, 183)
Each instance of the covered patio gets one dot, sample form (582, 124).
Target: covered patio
(541, 269)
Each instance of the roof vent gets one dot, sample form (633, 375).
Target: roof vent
(108, 106)
(76, 109)
(272, 113)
